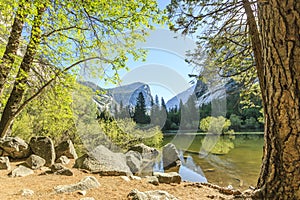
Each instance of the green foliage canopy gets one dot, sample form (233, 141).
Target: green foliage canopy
(224, 47)
(64, 34)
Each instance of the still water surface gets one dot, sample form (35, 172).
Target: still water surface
(235, 159)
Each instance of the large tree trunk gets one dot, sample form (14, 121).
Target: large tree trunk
(12, 45)
(280, 35)
(16, 96)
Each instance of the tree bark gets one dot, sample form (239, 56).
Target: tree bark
(12, 46)
(280, 35)
(16, 96)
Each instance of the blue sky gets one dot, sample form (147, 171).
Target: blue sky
(165, 69)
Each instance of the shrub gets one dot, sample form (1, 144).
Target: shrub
(235, 121)
(215, 125)
(125, 133)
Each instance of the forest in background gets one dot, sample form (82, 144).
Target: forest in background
(242, 117)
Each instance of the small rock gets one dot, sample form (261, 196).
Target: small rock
(211, 196)
(26, 192)
(152, 179)
(209, 170)
(45, 171)
(125, 178)
(135, 177)
(150, 195)
(67, 149)
(59, 169)
(45, 168)
(56, 167)
(229, 187)
(171, 177)
(63, 160)
(82, 192)
(4, 163)
(86, 183)
(21, 171)
(43, 147)
(65, 172)
(35, 162)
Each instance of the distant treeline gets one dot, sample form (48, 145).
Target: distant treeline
(188, 116)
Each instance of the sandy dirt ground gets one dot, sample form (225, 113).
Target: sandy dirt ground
(111, 187)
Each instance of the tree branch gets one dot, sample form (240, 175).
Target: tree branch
(39, 92)
(63, 29)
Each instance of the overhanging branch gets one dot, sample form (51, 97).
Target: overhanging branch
(39, 92)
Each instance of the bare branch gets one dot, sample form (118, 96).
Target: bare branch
(63, 29)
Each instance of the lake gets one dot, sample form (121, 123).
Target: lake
(223, 160)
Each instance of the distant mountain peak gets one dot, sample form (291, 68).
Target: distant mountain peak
(127, 94)
(204, 93)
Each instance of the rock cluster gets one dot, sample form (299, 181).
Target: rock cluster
(39, 152)
(42, 146)
(138, 162)
(14, 147)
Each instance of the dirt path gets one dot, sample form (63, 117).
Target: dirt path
(111, 187)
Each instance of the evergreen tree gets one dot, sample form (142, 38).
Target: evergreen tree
(189, 114)
(164, 115)
(140, 115)
(156, 100)
(116, 111)
(163, 104)
(123, 112)
(155, 113)
(174, 118)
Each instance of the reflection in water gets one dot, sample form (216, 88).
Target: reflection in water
(189, 170)
(189, 175)
(216, 144)
(233, 160)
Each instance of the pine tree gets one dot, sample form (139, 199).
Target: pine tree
(140, 115)
(156, 100)
(123, 112)
(155, 112)
(163, 104)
